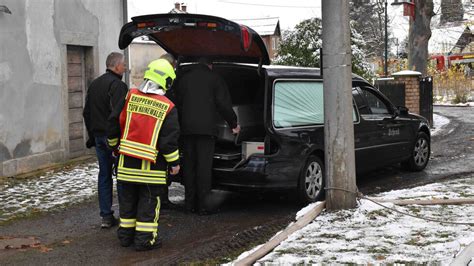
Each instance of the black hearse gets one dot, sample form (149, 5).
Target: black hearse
(280, 109)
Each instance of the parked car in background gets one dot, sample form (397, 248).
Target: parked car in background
(281, 110)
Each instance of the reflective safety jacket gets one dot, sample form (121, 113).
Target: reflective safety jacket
(149, 130)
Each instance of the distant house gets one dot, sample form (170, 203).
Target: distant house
(50, 52)
(444, 40)
(452, 45)
(143, 51)
(268, 29)
(465, 43)
(179, 8)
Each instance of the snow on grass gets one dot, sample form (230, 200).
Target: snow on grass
(371, 234)
(50, 191)
(438, 123)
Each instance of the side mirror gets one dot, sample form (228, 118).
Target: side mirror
(396, 113)
(402, 110)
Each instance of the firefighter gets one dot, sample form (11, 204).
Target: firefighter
(145, 132)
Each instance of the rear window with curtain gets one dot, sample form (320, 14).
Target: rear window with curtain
(299, 103)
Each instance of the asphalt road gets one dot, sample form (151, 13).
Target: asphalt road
(73, 236)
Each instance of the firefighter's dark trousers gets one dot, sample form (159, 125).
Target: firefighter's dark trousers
(139, 214)
(197, 170)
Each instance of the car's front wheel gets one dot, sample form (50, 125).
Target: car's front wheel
(311, 181)
(420, 153)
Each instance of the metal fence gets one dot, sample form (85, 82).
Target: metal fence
(426, 98)
(395, 92)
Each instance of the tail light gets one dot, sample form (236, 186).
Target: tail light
(210, 25)
(146, 24)
(246, 37)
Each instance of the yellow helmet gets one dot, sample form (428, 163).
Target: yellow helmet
(161, 72)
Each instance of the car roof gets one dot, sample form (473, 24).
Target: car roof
(283, 71)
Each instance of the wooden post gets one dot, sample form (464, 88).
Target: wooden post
(277, 239)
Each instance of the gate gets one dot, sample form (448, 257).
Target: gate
(395, 92)
(426, 99)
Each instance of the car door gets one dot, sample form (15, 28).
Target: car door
(389, 132)
(367, 141)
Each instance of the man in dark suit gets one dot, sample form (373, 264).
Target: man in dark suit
(201, 94)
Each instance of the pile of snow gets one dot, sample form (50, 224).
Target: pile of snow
(371, 234)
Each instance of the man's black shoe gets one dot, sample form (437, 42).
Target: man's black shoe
(108, 222)
(157, 244)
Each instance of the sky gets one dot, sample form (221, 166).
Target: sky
(289, 12)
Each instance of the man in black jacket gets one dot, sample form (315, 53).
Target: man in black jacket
(103, 94)
(201, 95)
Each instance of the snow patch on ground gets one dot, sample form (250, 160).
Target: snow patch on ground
(372, 234)
(47, 192)
(454, 104)
(438, 123)
(57, 189)
(176, 193)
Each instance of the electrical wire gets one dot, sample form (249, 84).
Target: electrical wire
(266, 5)
(362, 196)
(256, 18)
(416, 216)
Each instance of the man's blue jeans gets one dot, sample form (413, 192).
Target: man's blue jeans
(105, 183)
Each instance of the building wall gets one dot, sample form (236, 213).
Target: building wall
(141, 54)
(33, 73)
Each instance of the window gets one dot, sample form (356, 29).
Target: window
(299, 103)
(274, 43)
(376, 105)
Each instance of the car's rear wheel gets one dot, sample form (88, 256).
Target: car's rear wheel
(311, 181)
(420, 154)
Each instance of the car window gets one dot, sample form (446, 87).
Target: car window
(360, 101)
(376, 105)
(299, 103)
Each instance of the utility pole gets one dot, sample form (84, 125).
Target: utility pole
(338, 123)
(386, 41)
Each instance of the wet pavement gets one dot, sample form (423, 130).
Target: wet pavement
(66, 221)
